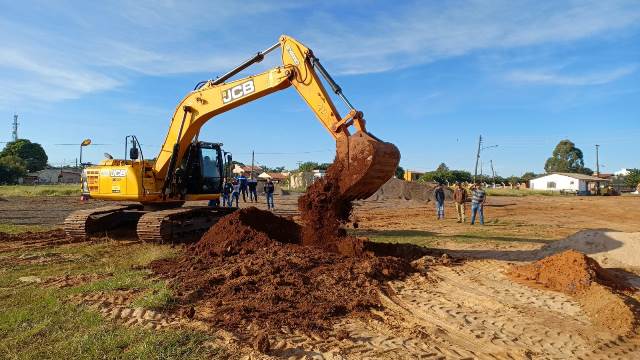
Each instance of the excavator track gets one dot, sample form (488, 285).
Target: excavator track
(81, 224)
(185, 224)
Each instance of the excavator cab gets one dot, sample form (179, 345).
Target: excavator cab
(202, 169)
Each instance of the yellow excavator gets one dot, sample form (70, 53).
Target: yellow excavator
(188, 169)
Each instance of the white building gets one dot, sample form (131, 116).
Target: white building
(579, 183)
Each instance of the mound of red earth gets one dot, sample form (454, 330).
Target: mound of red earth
(569, 272)
(607, 298)
(251, 269)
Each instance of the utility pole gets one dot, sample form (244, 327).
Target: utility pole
(475, 173)
(493, 174)
(253, 158)
(597, 161)
(14, 133)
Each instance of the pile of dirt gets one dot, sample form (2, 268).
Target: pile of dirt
(408, 190)
(569, 272)
(603, 295)
(247, 274)
(610, 248)
(246, 231)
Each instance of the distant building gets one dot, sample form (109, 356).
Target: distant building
(52, 176)
(579, 183)
(412, 175)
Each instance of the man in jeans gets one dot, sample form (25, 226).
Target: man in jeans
(477, 203)
(459, 198)
(242, 182)
(438, 194)
(252, 184)
(269, 189)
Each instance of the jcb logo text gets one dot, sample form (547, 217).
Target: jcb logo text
(237, 91)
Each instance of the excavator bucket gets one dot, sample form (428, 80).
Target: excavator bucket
(367, 163)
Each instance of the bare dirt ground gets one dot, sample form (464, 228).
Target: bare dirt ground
(457, 310)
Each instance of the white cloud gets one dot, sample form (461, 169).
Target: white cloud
(551, 78)
(420, 33)
(67, 50)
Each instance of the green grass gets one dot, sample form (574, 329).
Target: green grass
(20, 228)
(40, 190)
(39, 322)
(521, 192)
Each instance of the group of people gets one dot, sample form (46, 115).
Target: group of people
(460, 196)
(241, 185)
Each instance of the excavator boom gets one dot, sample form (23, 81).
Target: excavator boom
(367, 161)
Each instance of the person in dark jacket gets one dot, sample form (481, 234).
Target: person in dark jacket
(242, 182)
(252, 184)
(227, 189)
(269, 189)
(438, 194)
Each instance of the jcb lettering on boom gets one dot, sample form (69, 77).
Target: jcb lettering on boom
(238, 91)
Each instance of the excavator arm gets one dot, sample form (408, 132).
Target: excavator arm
(367, 162)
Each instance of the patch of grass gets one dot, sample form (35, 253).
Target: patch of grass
(40, 190)
(521, 192)
(20, 228)
(41, 323)
(159, 297)
(417, 237)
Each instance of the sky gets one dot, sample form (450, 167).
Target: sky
(430, 77)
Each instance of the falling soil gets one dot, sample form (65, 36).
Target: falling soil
(604, 296)
(323, 212)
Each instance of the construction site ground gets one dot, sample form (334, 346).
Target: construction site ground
(98, 299)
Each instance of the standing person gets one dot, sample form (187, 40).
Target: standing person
(227, 189)
(252, 184)
(459, 198)
(438, 194)
(269, 189)
(477, 203)
(235, 193)
(242, 181)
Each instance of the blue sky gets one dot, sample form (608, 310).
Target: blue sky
(430, 76)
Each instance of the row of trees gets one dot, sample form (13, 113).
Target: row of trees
(19, 157)
(566, 157)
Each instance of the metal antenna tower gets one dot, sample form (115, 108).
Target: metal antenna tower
(14, 133)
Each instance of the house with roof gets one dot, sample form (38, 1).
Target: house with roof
(568, 182)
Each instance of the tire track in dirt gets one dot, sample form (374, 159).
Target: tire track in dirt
(473, 311)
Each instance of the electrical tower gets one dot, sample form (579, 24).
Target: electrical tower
(14, 133)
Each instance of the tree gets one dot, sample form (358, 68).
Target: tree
(566, 157)
(323, 166)
(308, 166)
(633, 178)
(12, 168)
(443, 168)
(32, 153)
(527, 176)
(400, 172)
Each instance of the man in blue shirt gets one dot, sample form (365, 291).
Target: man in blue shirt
(242, 181)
